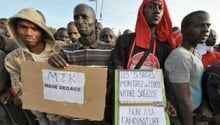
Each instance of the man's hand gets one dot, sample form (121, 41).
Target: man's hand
(170, 109)
(57, 61)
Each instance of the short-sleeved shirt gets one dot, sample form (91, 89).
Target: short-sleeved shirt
(183, 66)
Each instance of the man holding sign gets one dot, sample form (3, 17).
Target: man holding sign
(36, 44)
(151, 43)
(87, 51)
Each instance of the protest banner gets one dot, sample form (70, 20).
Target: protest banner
(140, 98)
(76, 91)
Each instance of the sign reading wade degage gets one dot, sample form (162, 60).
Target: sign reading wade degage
(141, 98)
(60, 83)
(76, 91)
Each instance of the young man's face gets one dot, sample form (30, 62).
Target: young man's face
(153, 12)
(98, 27)
(107, 36)
(63, 36)
(199, 29)
(29, 33)
(73, 33)
(212, 38)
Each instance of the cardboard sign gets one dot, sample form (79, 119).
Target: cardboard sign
(141, 115)
(140, 87)
(36, 81)
(140, 98)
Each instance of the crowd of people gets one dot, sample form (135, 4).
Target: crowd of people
(186, 55)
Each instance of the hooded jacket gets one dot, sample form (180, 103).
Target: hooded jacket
(13, 60)
(163, 31)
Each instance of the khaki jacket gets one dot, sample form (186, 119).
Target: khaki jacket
(14, 59)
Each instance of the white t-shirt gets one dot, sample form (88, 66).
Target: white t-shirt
(37, 57)
(183, 66)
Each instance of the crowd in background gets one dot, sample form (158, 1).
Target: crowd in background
(184, 54)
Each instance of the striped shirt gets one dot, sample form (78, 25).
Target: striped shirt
(97, 54)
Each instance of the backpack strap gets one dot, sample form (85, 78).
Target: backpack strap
(141, 61)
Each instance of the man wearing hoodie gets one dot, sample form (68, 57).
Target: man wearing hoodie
(36, 43)
(151, 42)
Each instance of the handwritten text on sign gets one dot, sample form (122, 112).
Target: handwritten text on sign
(64, 86)
(140, 86)
(141, 115)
